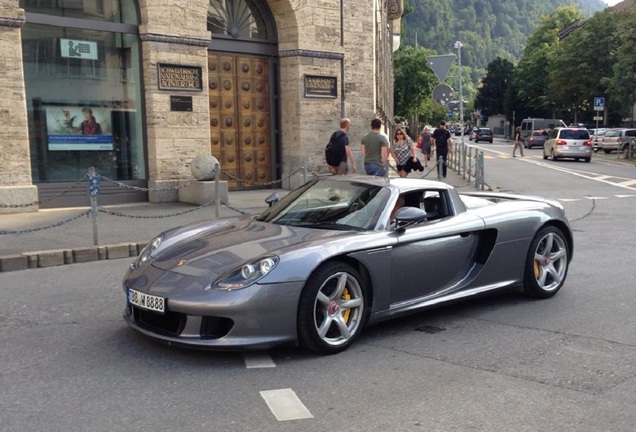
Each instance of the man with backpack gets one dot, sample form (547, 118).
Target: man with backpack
(337, 152)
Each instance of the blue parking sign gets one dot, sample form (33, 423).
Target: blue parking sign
(599, 102)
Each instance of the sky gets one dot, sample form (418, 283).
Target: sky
(611, 2)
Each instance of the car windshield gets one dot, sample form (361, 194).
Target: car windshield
(577, 134)
(329, 204)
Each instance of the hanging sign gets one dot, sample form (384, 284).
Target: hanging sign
(79, 49)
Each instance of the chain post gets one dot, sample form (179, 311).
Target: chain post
(93, 190)
(217, 189)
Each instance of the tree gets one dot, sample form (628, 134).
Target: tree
(622, 84)
(490, 97)
(532, 71)
(583, 61)
(414, 82)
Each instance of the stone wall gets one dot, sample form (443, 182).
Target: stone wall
(16, 189)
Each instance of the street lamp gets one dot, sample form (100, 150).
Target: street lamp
(459, 45)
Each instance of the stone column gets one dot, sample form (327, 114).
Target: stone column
(174, 33)
(16, 188)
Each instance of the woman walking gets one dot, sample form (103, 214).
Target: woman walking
(518, 142)
(402, 150)
(426, 144)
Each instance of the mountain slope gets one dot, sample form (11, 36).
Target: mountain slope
(486, 28)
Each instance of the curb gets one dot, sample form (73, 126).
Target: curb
(58, 257)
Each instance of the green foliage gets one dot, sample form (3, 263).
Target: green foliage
(491, 97)
(622, 81)
(566, 53)
(414, 82)
(532, 73)
(487, 28)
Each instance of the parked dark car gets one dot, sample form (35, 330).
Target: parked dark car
(535, 138)
(484, 134)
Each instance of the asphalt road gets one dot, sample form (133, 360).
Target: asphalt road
(501, 363)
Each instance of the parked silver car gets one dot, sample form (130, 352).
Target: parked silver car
(617, 139)
(572, 143)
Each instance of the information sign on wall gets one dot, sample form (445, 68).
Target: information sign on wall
(321, 86)
(180, 77)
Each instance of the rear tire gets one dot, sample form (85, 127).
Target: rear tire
(607, 151)
(552, 156)
(546, 263)
(588, 160)
(545, 156)
(332, 309)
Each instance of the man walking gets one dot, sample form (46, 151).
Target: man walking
(338, 151)
(375, 150)
(443, 145)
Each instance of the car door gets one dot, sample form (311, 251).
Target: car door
(433, 257)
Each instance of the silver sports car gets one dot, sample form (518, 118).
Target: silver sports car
(337, 254)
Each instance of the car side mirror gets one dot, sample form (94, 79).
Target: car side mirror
(272, 199)
(410, 215)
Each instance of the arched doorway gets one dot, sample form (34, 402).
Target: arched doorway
(243, 88)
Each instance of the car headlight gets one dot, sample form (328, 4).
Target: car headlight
(247, 274)
(146, 252)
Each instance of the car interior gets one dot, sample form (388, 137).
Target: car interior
(431, 201)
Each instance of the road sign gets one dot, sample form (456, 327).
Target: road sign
(442, 94)
(598, 118)
(599, 103)
(93, 185)
(441, 64)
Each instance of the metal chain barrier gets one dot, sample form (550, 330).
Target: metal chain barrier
(142, 189)
(253, 183)
(53, 225)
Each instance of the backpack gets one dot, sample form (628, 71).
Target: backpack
(334, 153)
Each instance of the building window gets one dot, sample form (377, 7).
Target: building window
(238, 19)
(83, 90)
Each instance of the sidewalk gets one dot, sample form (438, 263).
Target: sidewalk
(53, 237)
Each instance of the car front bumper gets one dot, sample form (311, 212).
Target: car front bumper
(256, 317)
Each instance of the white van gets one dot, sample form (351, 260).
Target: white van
(530, 124)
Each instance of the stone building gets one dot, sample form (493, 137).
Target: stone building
(138, 88)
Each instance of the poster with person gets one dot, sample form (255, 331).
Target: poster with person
(71, 128)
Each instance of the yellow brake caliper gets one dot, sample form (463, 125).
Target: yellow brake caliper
(346, 296)
(537, 269)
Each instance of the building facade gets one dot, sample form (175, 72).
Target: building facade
(138, 88)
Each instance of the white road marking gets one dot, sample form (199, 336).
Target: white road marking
(596, 198)
(285, 405)
(625, 184)
(569, 199)
(255, 360)
(624, 196)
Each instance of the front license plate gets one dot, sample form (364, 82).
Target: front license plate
(146, 301)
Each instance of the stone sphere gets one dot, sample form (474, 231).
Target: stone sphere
(203, 167)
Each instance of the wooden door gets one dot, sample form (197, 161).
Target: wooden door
(240, 118)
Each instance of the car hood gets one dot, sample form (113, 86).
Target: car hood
(216, 247)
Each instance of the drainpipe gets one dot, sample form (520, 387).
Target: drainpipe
(343, 112)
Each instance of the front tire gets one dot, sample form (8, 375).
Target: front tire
(546, 263)
(332, 309)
